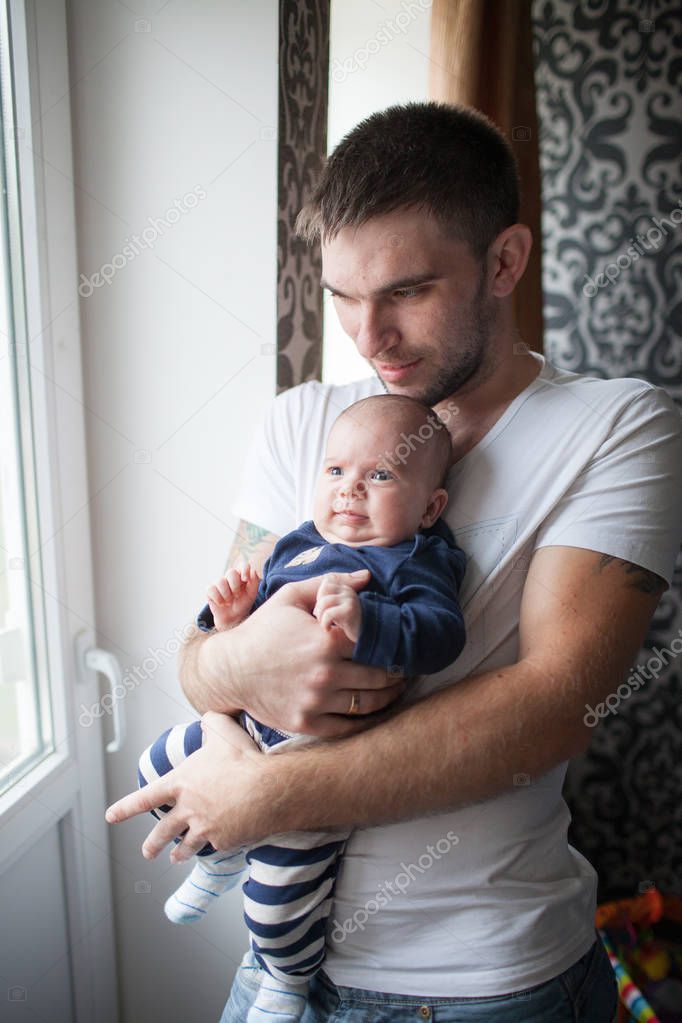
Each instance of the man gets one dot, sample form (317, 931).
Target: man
(565, 495)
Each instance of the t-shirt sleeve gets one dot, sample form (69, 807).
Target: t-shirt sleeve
(627, 501)
(266, 494)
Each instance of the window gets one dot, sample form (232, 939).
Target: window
(26, 730)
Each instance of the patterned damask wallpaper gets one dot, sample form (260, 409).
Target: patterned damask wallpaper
(609, 96)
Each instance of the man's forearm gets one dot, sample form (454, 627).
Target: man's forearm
(460, 746)
(202, 685)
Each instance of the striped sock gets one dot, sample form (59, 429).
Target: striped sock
(211, 876)
(278, 1002)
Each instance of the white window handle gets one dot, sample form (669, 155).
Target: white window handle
(102, 660)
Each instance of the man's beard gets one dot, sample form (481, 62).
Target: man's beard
(469, 356)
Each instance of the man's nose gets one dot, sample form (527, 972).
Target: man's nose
(375, 334)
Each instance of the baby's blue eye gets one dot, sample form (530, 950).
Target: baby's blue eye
(381, 475)
(335, 470)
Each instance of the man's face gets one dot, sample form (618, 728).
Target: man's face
(413, 301)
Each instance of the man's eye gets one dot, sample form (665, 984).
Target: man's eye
(381, 475)
(408, 292)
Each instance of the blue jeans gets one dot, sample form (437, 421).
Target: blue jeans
(585, 993)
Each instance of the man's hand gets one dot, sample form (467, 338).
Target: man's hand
(220, 794)
(289, 673)
(583, 618)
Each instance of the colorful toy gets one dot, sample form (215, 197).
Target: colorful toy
(630, 995)
(646, 962)
(645, 909)
(652, 958)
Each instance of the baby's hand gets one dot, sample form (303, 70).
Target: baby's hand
(338, 605)
(232, 597)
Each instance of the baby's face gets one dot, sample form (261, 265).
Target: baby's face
(364, 497)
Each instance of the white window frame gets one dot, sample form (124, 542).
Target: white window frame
(43, 292)
(66, 789)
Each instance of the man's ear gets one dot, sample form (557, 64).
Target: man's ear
(509, 256)
(435, 507)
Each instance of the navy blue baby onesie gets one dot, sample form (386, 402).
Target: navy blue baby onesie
(411, 618)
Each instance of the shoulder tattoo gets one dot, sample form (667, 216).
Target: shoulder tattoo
(636, 577)
(247, 540)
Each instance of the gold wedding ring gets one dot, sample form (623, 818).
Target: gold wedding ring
(354, 704)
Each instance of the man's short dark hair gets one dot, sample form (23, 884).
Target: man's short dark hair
(450, 161)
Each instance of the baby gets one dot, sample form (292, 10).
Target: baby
(375, 512)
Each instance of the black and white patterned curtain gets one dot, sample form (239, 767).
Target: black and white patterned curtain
(302, 146)
(609, 88)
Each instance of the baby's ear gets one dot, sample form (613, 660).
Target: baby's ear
(435, 507)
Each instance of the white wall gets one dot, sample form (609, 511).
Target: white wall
(175, 374)
(378, 57)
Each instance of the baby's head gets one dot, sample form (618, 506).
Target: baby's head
(382, 478)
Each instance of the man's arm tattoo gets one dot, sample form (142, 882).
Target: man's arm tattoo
(246, 541)
(637, 578)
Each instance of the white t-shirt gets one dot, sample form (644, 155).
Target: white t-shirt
(492, 898)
